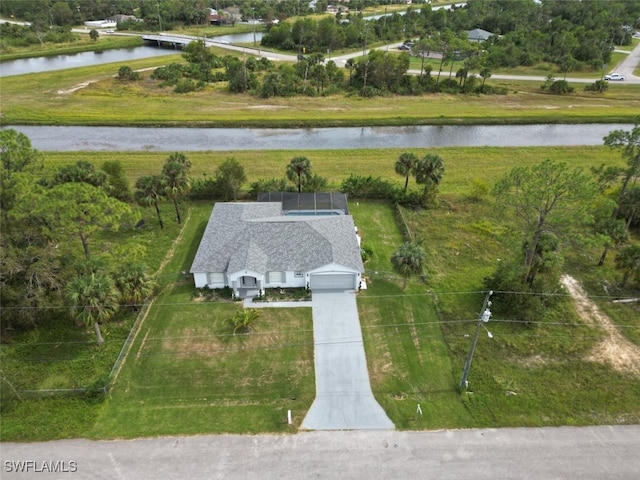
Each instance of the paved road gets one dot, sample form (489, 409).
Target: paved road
(344, 399)
(591, 453)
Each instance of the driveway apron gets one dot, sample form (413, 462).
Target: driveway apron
(344, 400)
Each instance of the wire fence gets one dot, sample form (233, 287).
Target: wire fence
(101, 385)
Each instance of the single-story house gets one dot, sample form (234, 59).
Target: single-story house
(478, 35)
(101, 24)
(253, 246)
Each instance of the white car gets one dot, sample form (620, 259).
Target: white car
(614, 77)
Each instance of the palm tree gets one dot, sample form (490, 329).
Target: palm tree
(407, 260)
(134, 284)
(428, 172)
(94, 299)
(299, 171)
(176, 177)
(350, 64)
(244, 319)
(628, 261)
(485, 73)
(150, 189)
(404, 166)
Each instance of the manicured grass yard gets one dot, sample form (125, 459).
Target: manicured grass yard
(186, 373)
(407, 357)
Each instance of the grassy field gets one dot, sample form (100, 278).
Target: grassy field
(84, 44)
(417, 340)
(92, 96)
(462, 164)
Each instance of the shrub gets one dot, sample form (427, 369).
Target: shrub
(126, 73)
(448, 85)
(597, 86)
(561, 87)
(204, 189)
(170, 73)
(315, 184)
(411, 198)
(188, 85)
(365, 252)
(265, 185)
(358, 186)
(478, 190)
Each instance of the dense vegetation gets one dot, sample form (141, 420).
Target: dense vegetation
(378, 73)
(572, 35)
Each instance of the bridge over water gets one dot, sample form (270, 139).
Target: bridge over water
(178, 41)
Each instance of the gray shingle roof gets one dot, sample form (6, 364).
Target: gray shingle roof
(478, 34)
(256, 237)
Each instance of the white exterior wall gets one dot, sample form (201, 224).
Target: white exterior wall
(234, 280)
(290, 281)
(200, 279)
(237, 278)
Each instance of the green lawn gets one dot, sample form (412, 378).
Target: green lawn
(186, 373)
(463, 164)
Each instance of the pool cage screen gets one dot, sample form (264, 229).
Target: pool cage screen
(292, 201)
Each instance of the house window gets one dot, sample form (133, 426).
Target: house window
(216, 278)
(298, 274)
(275, 277)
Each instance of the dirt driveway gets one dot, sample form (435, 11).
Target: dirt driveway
(614, 349)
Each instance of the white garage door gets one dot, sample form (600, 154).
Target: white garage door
(335, 281)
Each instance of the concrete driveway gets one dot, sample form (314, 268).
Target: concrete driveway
(344, 400)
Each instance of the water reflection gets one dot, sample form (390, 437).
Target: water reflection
(228, 139)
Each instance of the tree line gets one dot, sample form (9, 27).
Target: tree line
(378, 73)
(555, 207)
(569, 34)
(49, 223)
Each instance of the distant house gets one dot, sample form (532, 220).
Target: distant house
(120, 18)
(478, 35)
(253, 246)
(101, 24)
(335, 9)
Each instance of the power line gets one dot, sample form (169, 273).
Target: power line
(363, 326)
(362, 297)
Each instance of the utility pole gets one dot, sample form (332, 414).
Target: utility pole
(366, 31)
(485, 314)
(159, 18)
